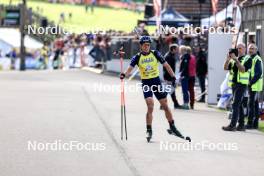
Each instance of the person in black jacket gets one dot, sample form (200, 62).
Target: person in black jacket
(201, 71)
(170, 57)
(184, 75)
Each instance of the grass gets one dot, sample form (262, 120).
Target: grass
(261, 126)
(102, 19)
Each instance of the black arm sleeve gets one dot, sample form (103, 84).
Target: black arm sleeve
(134, 60)
(158, 55)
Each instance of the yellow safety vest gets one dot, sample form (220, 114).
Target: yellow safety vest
(242, 78)
(148, 66)
(258, 86)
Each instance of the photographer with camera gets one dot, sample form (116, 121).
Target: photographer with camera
(238, 65)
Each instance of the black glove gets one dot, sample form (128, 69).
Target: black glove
(122, 75)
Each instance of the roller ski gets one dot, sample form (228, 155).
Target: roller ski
(149, 135)
(173, 131)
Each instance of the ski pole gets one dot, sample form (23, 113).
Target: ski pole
(123, 107)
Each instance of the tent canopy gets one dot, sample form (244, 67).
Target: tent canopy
(11, 37)
(221, 16)
(169, 17)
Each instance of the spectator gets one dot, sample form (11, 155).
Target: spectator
(238, 65)
(12, 55)
(86, 7)
(75, 46)
(201, 71)
(58, 48)
(44, 56)
(70, 16)
(255, 86)
(192, 74)
(96, 52)
(93, 3)
(184, 75)
(62, 17)
(170, 58)
(108, 51)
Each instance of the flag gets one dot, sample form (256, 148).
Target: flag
(214, 6)
(234, 11)
(157, 8)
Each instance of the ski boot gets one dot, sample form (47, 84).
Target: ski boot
(149, 135)
(174, 131)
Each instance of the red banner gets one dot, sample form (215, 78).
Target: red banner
(157, 8)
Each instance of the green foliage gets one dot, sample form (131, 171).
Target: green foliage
(102, 18)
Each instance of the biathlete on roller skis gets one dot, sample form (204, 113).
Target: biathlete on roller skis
(148, 63)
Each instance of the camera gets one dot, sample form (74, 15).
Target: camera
(234, 51)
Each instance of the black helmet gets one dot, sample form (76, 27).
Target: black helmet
(144, 39)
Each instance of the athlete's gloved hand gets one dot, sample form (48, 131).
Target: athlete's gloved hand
(122, 76)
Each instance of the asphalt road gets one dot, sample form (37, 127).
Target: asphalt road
(47, 109)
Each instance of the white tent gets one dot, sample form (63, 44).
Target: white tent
(10, 37)
(5, 47)
(221, 16)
